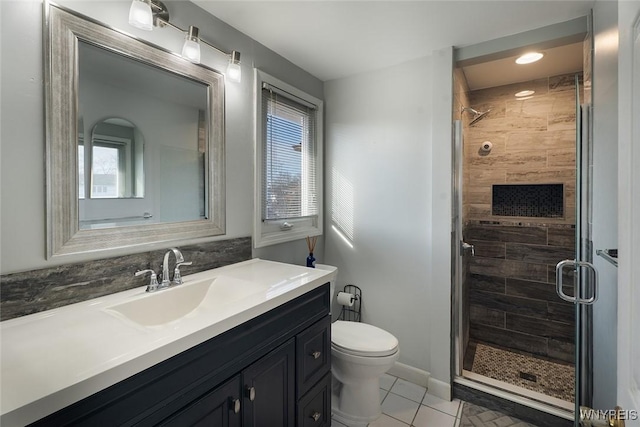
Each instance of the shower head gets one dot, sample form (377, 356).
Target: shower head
(477, 115)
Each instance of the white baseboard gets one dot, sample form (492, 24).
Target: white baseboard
(439, 389)
(422, 378)
(411, 374)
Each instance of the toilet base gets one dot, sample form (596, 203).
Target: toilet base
(361, 400)
(348, 420)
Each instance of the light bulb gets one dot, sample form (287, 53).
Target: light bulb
(140, 15)
(524, 93)
(191, 46)
(234, 72)
(530, 57)
(191, 51)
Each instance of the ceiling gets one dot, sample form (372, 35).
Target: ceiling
(333, 39)
(556, 61)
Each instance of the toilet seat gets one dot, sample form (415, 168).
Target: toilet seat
(362, 339)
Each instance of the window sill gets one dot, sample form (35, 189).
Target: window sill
(271, 234)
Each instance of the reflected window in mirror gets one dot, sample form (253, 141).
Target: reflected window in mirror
(117, 160)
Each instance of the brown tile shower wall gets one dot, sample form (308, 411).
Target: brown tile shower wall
(511, 288)
(533, 143)
(512, 297)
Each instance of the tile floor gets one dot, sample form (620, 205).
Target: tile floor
(407, 404)
(478, 416)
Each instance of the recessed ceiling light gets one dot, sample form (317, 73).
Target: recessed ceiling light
(525, 93)
(530, 57)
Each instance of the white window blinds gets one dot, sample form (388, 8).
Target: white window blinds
(290, 150)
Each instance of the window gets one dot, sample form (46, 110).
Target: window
(288, 163)
(106, 170)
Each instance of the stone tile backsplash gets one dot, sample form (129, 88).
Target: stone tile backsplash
(39, 290)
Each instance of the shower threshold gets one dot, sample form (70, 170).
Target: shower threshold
(518, 402)
(515, 390)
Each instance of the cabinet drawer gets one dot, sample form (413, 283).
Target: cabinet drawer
(313, 354)
(314, 409)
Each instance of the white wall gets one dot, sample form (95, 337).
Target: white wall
(22, 179)
(378, 139)
(605, 201)
(628, 357)
(441, 183)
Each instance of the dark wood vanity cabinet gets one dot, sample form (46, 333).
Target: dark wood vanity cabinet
(271, 371)
(262, 395)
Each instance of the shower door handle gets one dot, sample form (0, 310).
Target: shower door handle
(465, 246)
(575, 264)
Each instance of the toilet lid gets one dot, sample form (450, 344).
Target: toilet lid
(362, 339)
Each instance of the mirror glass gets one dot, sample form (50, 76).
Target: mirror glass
(169, 112)
(135, 141)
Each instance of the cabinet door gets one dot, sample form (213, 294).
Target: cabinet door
(218, 408)
(269, 389)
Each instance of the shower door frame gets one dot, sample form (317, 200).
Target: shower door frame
(459, 331)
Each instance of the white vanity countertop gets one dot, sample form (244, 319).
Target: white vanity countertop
(52, 359)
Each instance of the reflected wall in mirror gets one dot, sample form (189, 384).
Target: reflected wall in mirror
(147, 164)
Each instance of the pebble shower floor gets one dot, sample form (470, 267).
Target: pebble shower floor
(550, 378)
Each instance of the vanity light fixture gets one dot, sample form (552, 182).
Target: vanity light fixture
(191, 46)
(529, 57)
(145, 14)
(140, 15)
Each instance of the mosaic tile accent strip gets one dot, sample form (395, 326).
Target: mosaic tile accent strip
(478, 416)
(542, 376)
(528, 200)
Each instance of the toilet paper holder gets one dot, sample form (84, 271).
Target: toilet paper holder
(353, 313)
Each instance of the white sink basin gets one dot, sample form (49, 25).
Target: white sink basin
(187, 300)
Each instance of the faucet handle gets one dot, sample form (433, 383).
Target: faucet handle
(177, 277)
(153, 284)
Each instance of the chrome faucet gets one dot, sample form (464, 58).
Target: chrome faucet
(177, 278)
(166, 282)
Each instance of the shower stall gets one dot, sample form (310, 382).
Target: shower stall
(521, 154)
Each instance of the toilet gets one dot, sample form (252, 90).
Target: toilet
(360, 354)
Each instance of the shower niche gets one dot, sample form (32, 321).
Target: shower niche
(528, 200)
